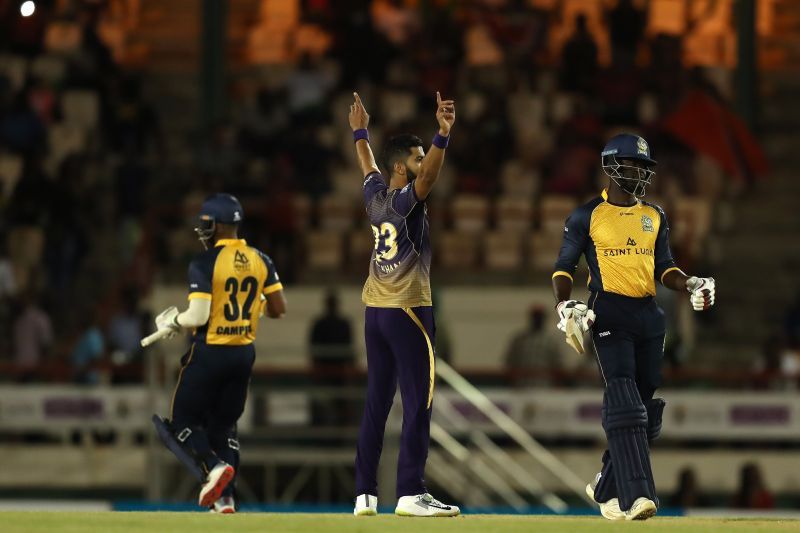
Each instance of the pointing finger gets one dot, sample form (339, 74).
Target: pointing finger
(358, 99)
(438, 98)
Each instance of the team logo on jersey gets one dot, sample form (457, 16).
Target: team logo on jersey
(631, 242)
(240, 262)
(641, 145)
(647, 224)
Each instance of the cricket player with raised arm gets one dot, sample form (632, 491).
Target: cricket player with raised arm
(399, 329)
(626, 244)
(231, 285)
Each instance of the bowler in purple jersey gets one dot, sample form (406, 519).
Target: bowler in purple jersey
(399, 327)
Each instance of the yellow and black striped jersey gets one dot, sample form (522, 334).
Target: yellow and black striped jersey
(233, 276)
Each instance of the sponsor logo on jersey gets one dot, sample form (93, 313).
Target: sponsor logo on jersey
(631, 242)
(617, 252)
(240, 262)
(604, 334)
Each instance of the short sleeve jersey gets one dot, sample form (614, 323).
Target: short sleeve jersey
(399, 272)
(233, 276)
(626, 248)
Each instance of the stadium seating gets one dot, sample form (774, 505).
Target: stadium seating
(336, 213)
(503, 251)
(470, 213)
(513, 214)
(553, 211)
(81, 108)
(457, 250)
(324, 250)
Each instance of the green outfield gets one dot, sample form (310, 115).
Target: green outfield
(117, 522)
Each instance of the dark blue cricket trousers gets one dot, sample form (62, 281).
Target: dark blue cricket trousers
(399, 350)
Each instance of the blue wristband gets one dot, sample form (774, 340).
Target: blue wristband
(440, 141)
(360, 134)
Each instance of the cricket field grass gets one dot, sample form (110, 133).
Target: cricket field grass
(163, 522)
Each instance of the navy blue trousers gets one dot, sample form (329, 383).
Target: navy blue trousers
(628, 338)
(399, 350)
(209, 399)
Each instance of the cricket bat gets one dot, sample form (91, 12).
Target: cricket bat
(575, 335)
(154, 337)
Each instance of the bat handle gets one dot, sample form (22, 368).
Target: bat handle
(153, 337)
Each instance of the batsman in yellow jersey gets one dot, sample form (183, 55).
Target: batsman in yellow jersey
(626, 244)
(231, 285)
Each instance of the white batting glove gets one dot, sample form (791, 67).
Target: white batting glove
(167, 319)
(574, 309)
(702, 292)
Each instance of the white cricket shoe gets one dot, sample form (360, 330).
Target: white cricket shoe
(591, 486)
(366, 505)
(224, 505)
(216, 481)
(642, 509)
(424, 505)
(610, 509)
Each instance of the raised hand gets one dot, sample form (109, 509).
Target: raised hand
(445, 114)
(359, 118)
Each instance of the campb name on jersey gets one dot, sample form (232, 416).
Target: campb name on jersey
(234, 330)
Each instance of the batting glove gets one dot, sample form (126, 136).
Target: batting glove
(702, 292)
(574, 309)
(168, 319)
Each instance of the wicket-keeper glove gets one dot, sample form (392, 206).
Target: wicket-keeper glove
(702, 292)
(574, 309)
(167, 319)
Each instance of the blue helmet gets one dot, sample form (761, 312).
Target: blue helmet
(632, 178)
(217, 209)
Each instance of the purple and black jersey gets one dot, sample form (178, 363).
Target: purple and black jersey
(399, 272)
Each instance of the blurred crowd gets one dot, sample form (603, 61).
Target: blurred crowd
(95, 209)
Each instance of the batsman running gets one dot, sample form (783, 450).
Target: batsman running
(399, 328)
(626, 244)
(230, 286)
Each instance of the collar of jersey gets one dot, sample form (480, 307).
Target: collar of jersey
(229, 242)
(604, 194)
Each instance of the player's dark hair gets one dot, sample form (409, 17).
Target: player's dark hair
(398, 148)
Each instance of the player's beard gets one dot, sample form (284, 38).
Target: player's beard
(411, 175)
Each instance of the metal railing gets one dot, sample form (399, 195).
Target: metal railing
(498, 456)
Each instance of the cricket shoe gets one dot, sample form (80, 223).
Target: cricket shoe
(424, 505)
(610, 509)
(642, 509)
(366, 505)
(217, 480)
(224, 505)
(591, 486)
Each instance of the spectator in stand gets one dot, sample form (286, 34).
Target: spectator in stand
(332, 358)
(33, 337)
(626, 23)
(125, 329)
(536, 349)
(88, 353)
(752, 493)
(687, 495)
(778, 367)
(579, 59)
